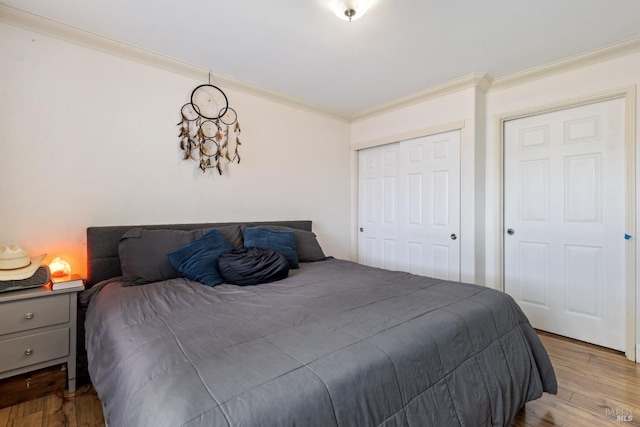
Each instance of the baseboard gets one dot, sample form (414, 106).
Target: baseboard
(638, 353)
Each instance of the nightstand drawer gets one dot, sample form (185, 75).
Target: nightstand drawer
(22, 315)
(31, 349)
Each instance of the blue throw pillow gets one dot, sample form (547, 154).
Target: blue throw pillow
(198, 260)
(281, 241)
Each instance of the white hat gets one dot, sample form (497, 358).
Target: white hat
(15, 263)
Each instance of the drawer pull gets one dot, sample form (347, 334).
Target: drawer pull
(28, 352)
(29, 315)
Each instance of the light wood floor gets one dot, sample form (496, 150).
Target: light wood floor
(595, 385)
(80, 409)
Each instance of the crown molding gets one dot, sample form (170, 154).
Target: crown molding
(606, 53)
(481, 81)
(486, 83)
(67, 33)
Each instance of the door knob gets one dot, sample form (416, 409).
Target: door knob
(453, 236)
(510, 231)
(361, 229)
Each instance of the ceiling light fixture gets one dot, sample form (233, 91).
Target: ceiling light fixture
(350, 10)
(350, 13)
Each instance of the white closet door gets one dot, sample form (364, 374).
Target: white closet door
(378, 206)
(429, 208)
(409, 206)
(564, 215)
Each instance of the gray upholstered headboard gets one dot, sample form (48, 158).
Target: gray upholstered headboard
(102, 244)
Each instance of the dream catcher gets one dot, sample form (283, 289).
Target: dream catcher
(207, 127)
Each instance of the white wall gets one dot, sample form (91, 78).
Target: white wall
(88, 138)
(91, 139)
(481, 112)
(458, 106)
(583, 82)
(586, 81)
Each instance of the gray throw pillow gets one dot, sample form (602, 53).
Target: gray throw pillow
(233, 233)
(307, 245)
(143, 253)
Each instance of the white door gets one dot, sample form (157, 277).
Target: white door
(377, 206)
(409, 206)
(564, 217)
(429, 208)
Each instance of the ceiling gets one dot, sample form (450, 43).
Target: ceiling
(399, 47)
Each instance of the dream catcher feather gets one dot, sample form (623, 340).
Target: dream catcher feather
(209, 129)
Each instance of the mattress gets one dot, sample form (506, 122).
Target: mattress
(334, 344)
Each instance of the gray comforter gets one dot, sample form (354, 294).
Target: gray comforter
(334, 344)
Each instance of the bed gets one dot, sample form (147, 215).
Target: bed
(333, 344)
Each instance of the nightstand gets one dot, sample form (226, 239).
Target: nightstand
(38, 330)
